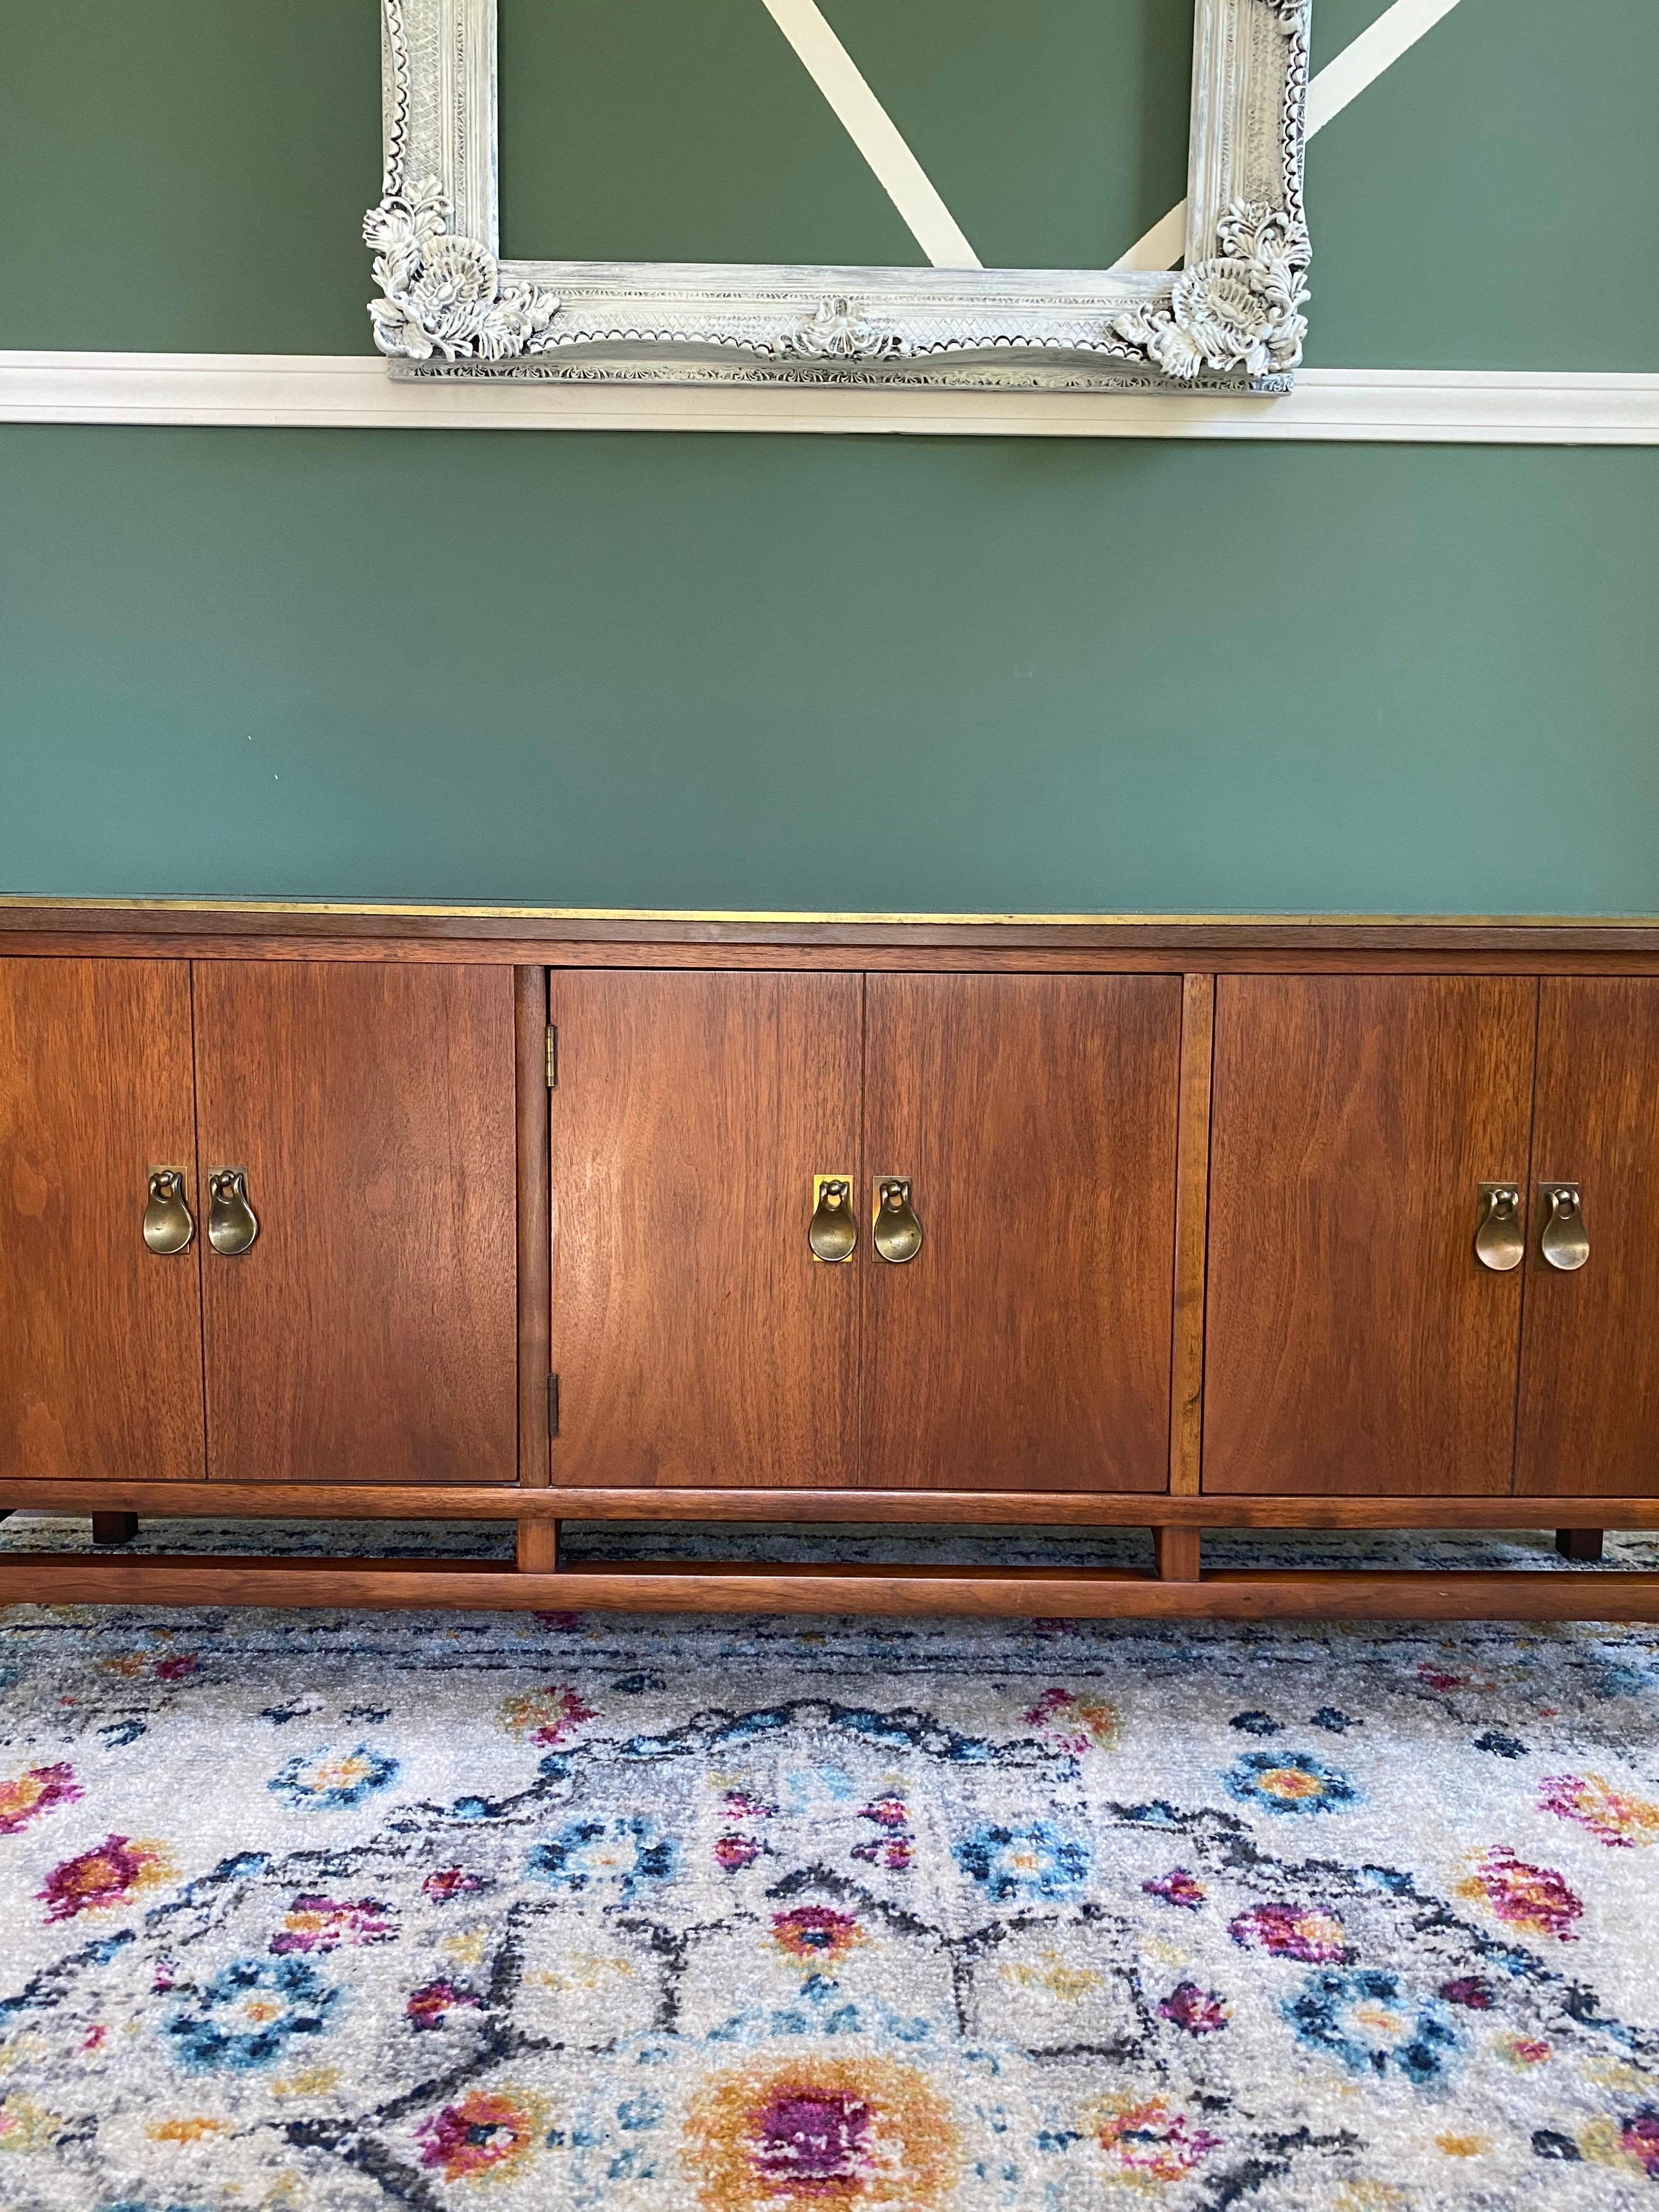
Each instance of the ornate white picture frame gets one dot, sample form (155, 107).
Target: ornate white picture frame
(1230, 319)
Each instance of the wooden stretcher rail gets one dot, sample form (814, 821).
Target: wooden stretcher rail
(1082, 1509)
(61, 1579)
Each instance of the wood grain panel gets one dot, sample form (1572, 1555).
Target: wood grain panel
(100, 1340)
(1191, 1234)
(697, 1341)
(1028, 1344)
(370, 1334)
(534, 1227)
(1353, 1342)
(1589, 1389)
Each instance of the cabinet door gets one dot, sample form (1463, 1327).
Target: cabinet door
(1353, 1342)
(101, 1339)
(1590, 1384)
(697, 1341)
(1026, 1345)
(369, 1334)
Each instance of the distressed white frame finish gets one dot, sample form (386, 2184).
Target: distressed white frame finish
(1229, 320)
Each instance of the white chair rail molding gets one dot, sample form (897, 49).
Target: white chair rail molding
(1498, 407)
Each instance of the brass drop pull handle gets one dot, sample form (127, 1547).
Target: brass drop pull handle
(169, 1224)
(832, 1232)
(898, 1233)
(1500, 1240)
(231, 1223)
(1563, 1243)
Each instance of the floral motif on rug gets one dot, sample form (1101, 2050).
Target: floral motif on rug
(653, 1915)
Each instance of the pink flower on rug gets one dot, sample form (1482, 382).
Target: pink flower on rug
(1074, 1722)
(1292, 1931)
(1613, 1817)
(1534, 1898)
(894, 1853)
(1470, 1991)
(816, 2134)
(322, 1924)
(1148, 2142)
(1176, 1887)
(733, 1851)
(892, 1847)
(175, 1670)
(487, 2131)
(550, 1715)
(1523, 2051)
(1200, 2012)
(431, 2005)
(110, 1875)
(890, 1813)
(1639, 2139)
(24, 1797)
(445, 1883)
(813, 1931)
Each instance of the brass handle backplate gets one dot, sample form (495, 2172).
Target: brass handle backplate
(832, 1233)
(897, 1233)
(1563, 1243)
(1500, 1239)
(231, 1223)
(168, 1222)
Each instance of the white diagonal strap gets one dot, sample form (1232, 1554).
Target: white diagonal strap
(872, 130)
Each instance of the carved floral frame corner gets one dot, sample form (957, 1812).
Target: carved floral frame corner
(1230, 319)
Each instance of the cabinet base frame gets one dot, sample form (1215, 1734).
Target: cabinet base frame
(1012, 1509)
(680, 1586)
(536, 1579)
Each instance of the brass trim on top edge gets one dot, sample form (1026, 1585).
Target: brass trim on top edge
(1157, 918)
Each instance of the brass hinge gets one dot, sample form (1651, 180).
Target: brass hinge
(552, 1405)
(552, 1058)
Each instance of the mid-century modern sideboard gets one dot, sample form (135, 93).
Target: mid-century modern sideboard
(320, 1213)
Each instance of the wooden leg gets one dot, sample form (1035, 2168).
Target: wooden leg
(1177, 1554)
(538, 1547)
(114, 1527)
(1578, 1543)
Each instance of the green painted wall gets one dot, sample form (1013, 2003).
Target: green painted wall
(846, 672)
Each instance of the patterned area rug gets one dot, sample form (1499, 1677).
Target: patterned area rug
(357, 1912)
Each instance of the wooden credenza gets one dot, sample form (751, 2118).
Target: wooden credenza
(482, 1214)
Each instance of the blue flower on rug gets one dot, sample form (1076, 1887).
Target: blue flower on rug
(1290, 1782)
(330, 1781)
(1368, 2021)
(249, 2013)
(1033, 1860)
(632, 1852)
